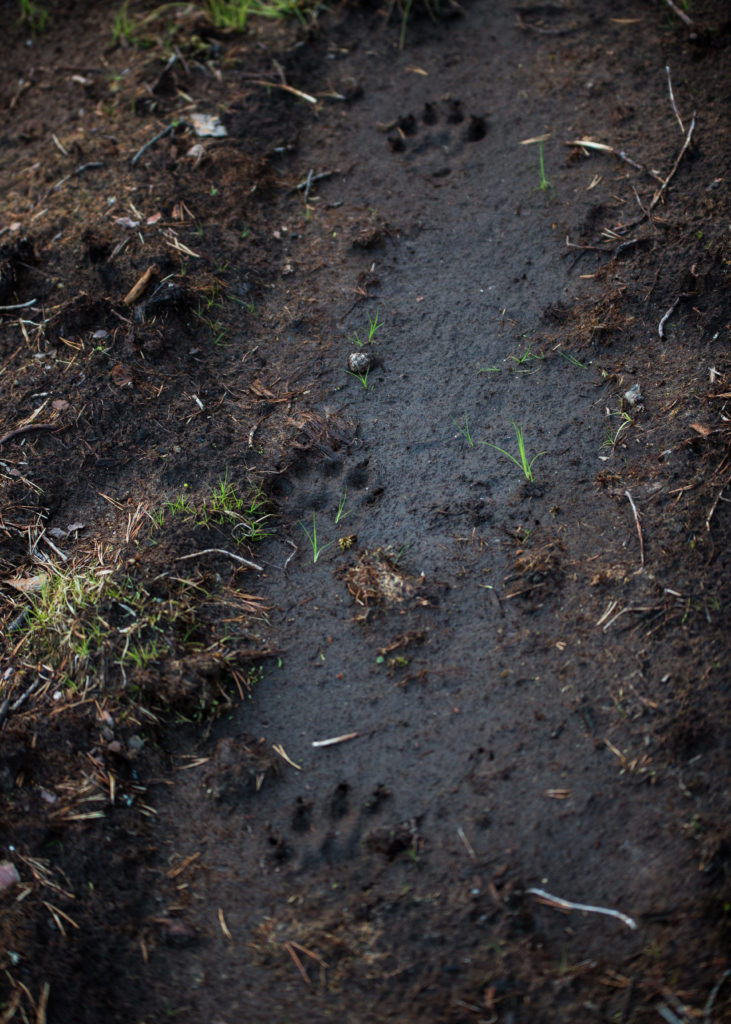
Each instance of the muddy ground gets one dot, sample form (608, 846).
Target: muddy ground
(221, 548)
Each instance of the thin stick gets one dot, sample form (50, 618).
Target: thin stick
(312, 178)
(297, 963)
(138, 288)
(709, 517)
(620, 155)
(680, 14)
(160, 135)
(43, 1003)
(467, 844)
(20, 305)
(27, 429)
(661, 325)
(556, 901)
(335, 739)
(672, 101)
(287, 88)
(222, 551)
(658, 195)
(639, 529)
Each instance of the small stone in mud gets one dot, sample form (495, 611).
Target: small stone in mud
(177, 933)
(8, 875)
(359, 362)
(633, 396)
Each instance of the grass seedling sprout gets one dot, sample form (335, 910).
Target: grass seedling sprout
(362, 377)
(544, 184)
(317, 549)
(341, 513)
(374, 324)
(613, 436)
(464, 430)
(522, 461)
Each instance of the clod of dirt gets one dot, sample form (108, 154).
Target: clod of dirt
(238, 768)
(376, 579)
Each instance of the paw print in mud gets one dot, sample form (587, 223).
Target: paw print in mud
(436, 139)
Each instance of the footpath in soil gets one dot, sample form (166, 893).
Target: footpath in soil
(364, 576)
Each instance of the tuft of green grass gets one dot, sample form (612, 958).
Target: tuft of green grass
(521, 460)
(235, 13)
(464, 430)
(317, 548)
(374, 324)
(362, 377)
(613, 436)
(341, 513)
(33, 16)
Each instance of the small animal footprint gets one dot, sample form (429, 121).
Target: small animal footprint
(438, 137)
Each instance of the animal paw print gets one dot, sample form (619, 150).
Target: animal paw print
(440, 135)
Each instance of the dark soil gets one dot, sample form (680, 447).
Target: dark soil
(528, 680)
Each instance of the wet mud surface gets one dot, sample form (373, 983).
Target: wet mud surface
(310, 680)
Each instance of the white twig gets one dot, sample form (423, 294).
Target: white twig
(639, 529)
(680, 14)
(661, 325)
(658, 195)
(335, 739)
(672, 101)
(222, 551)
(467, 844)
(556, 901)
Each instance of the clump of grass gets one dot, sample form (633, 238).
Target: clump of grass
(464, 429)
(235, 13)
(362, 377)
(33, 16)
(521, 460)
(317, 548)
(246, 514)
(613, 436)
(341, 513)
(374, 324)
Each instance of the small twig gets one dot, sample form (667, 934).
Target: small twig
(639, 529)
(680, 14)
(222, 551)
(308, 186)
(658, 195)
(297, 963)
(467, 844)
(311, 179)
(138, 288)
(556, 901)
(24, 696)
(224, 927)
(53, 547)
(620, 155)
(285, 756)
(160, 135)
(661, 325)
(27, 429)
(335, 739)
(709, 517)
(20, 305)
(287, 88)
(296, 549)
(712, 997)
(43, 1003)
(672, 101)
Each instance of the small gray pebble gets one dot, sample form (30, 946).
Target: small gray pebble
(633, 396)
(359, 362)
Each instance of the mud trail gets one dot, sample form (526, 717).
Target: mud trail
(380, 651)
